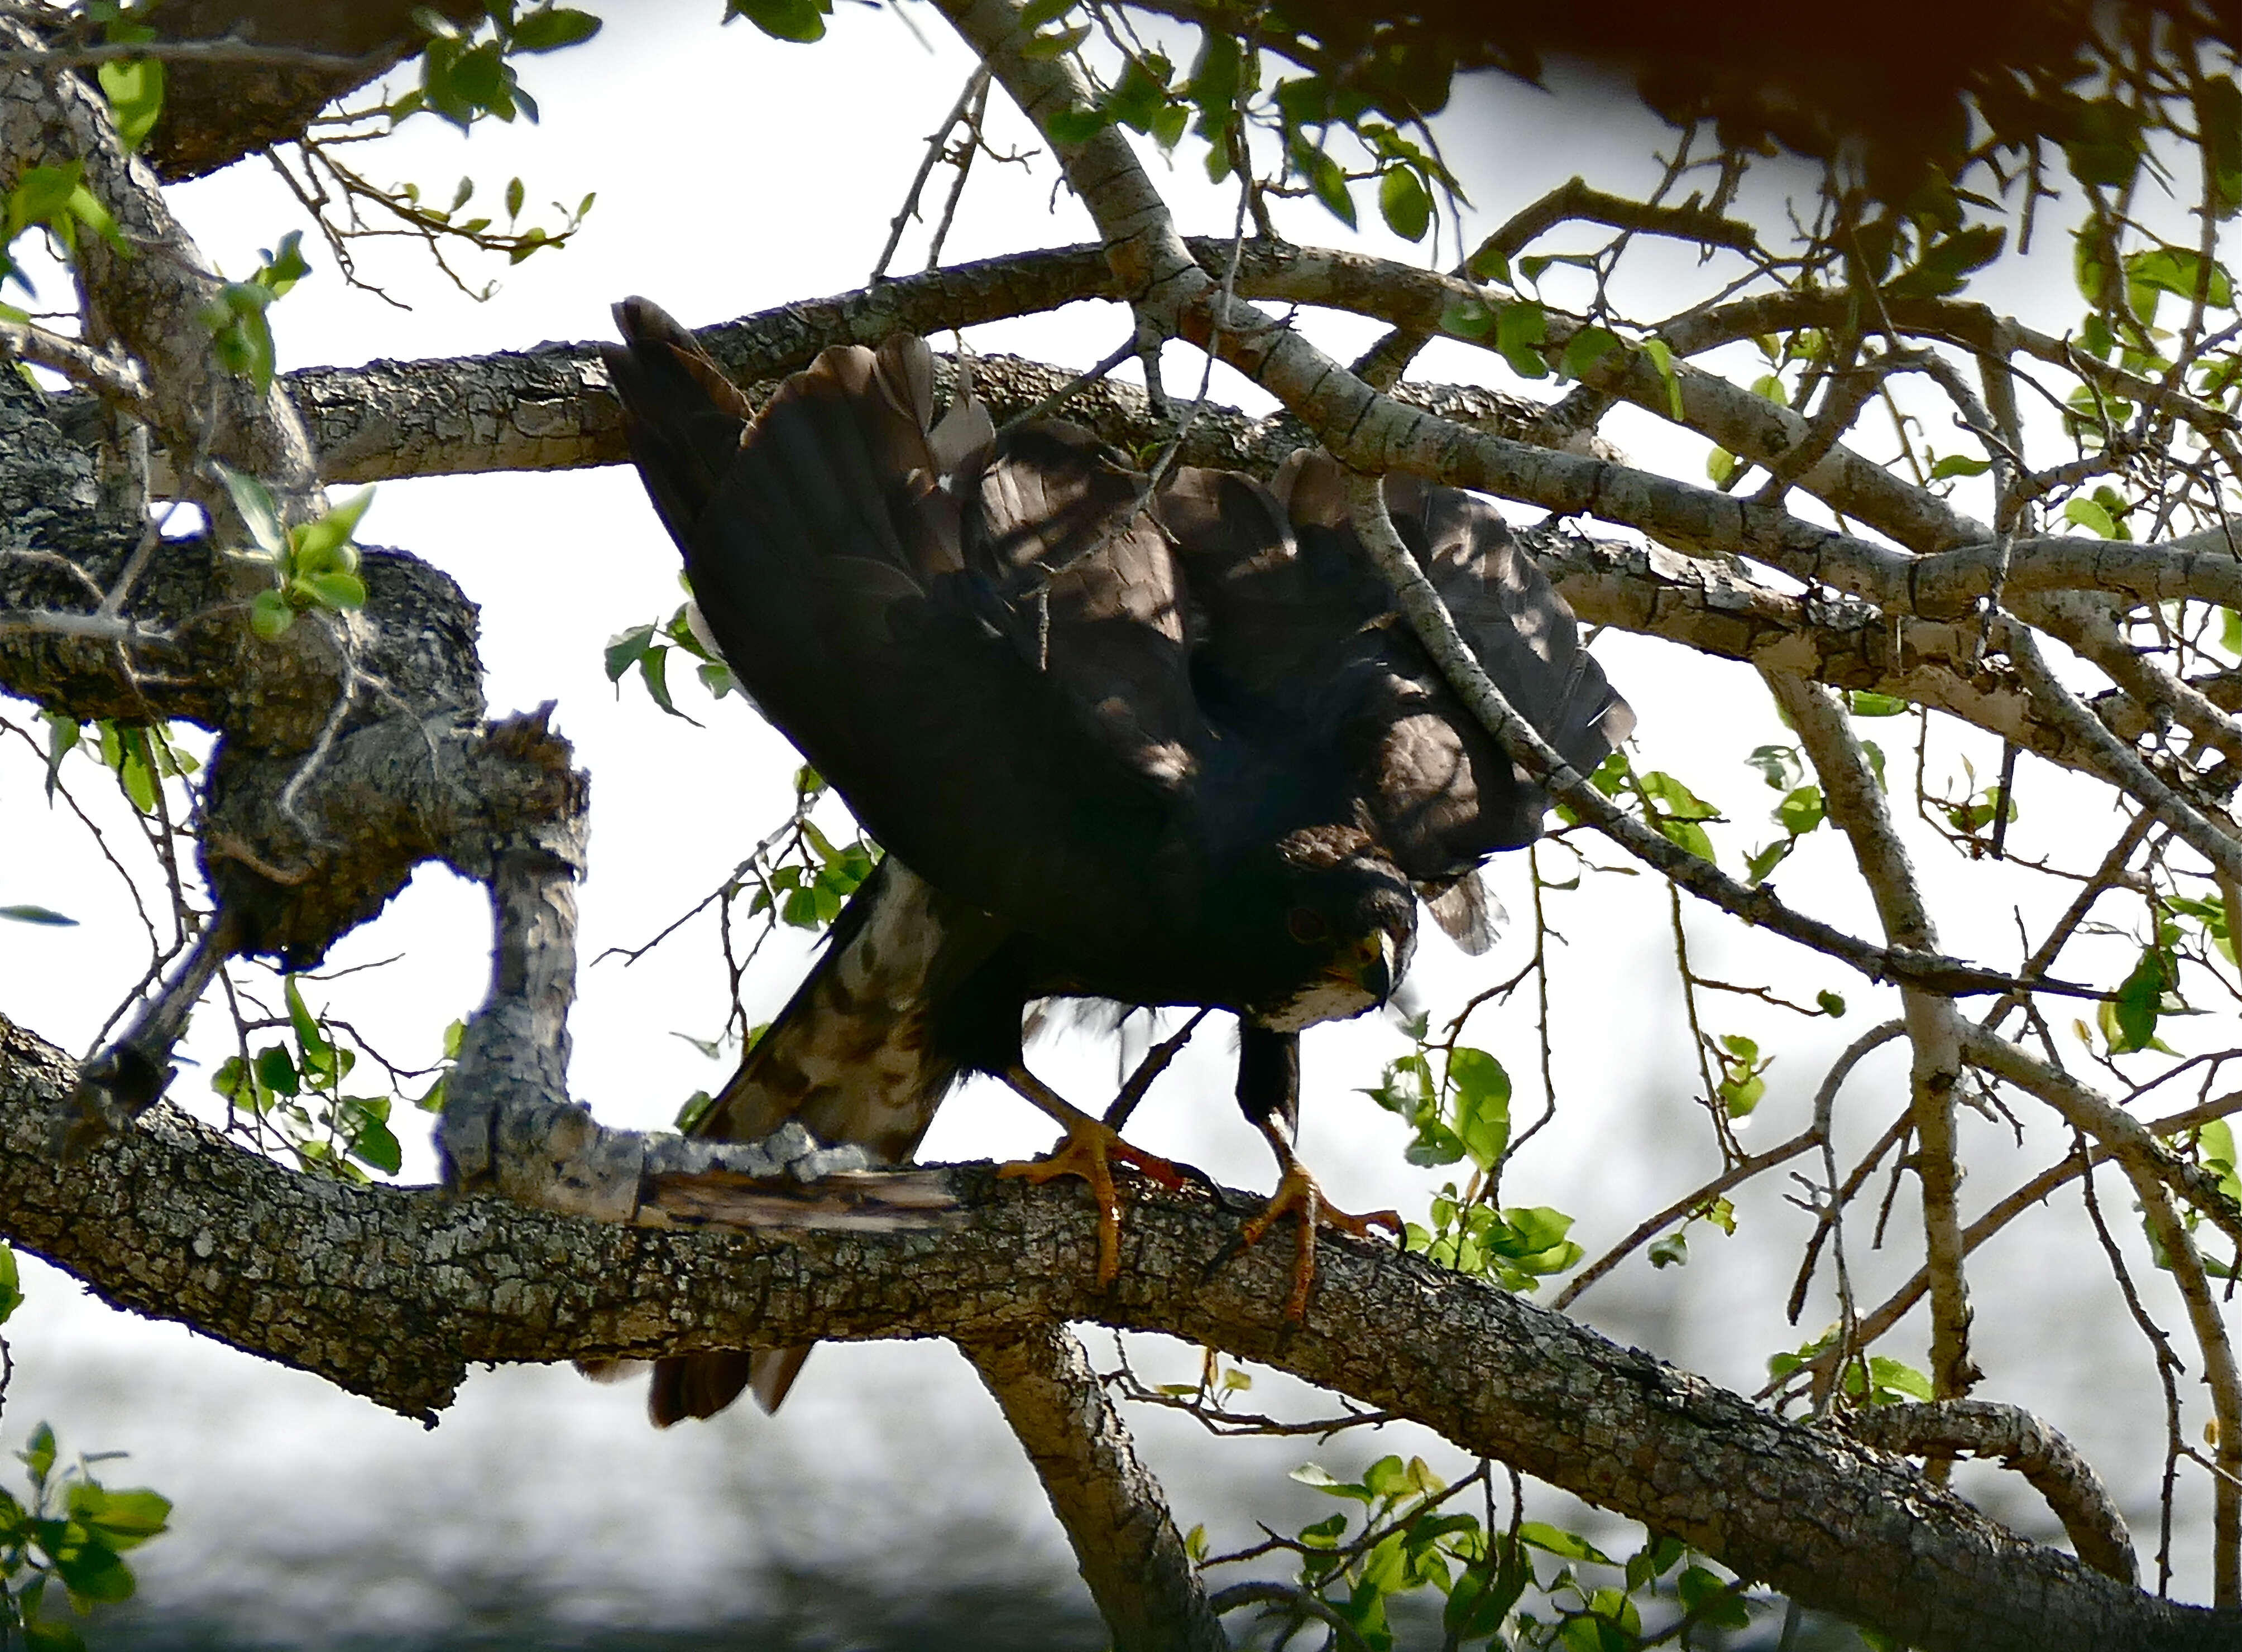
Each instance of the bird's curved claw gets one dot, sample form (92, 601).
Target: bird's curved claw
(1298, 1194)
(1090, 1151)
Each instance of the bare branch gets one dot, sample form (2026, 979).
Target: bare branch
(2021, 1441)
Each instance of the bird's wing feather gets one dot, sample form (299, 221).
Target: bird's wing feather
(1303, 606)
(825, 560)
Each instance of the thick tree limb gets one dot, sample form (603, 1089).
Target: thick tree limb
(216, 112)
(1131, 1554)
(391, 1292)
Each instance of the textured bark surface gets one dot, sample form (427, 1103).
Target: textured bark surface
(217, 112)
(1125, 1539)
(391, 1293)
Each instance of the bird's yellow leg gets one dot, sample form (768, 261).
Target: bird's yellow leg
(1090, 1152)
(1298, 1194)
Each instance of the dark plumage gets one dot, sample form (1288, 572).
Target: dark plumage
(1165, 750)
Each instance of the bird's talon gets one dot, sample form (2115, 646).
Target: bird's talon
(1298, 1194)
(1090, 1152)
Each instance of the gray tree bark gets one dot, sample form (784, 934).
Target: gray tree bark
(392, 1292)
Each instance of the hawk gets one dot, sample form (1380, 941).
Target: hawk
(1161, 744)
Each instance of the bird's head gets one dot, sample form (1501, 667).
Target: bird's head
(1349, 925)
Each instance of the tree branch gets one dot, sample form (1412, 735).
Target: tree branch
(1125, 1539)
(1856, 802)
(391, 1292)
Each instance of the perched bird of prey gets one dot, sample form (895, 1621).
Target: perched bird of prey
(1156, 746)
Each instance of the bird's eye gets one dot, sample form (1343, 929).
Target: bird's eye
(1307, 928)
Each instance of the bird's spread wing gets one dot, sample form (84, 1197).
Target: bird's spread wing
(1298, 622)
(997, 720)
(1060, 522)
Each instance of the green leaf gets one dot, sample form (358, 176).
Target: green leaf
(1519, 331)
(1701, 1591)
(135, 90)
(241, 338)
(695, 1109)
(654, 668)
(1801, 811)
(2179, 270)
(1467, 319)
(254, 503)
(373, 1142)
(1896, 1380)
(47, 915)
(1864, 703)
(1670, 1250)
(1036, 13)
(270, 615)
(1388, 1477)
(1551, 1540)
(38, 1455)
(1215, 78)
(2214, 1141)
(52, 1635)
(63, 733)
(2089, 514)
(301, 1019)
(339, 591)
(1959, 465)
(134, 771)
(2109, 144)
(121, 1520)
(1482, 1103)
(550, 28)
(1946, 265)
(1044, 47)
(1832, 1004)
(1315, 1475)
(2139, 1002)
(276, 1070)
(282, 267)
(318, 542)
(626, 648)
(1584, 350)
(92, 1573)
(11, 1284)
(1077, 125)
(1761, 862)
(1777, 765)
(1325, 181)
(1142, 93)
(1405, 204)
(1740, 1095)
(1662, 357)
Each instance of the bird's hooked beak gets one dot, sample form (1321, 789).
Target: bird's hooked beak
(1370, 963)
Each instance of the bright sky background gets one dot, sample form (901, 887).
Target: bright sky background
(734, 174)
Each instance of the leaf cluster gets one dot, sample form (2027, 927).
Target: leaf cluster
(466, 76)
(68, 1538)
(294, 1089)
(315, 564)
(1412, 1540)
